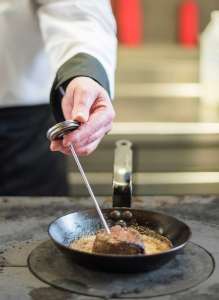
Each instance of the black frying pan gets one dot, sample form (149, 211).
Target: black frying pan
(78, 224)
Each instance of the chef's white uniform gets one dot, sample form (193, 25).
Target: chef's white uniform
(45, 42)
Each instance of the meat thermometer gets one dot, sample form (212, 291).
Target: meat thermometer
(56, 133)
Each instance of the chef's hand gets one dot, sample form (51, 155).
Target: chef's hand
(87, 102)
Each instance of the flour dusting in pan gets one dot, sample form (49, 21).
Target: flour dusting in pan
(123, 241)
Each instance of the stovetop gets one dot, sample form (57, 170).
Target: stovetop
(23, 230)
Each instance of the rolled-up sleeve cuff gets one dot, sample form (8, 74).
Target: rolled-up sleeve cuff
(81, 64)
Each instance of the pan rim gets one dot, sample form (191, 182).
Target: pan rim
(116, 256)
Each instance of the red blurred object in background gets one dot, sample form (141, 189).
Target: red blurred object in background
(188, 23)
(129, 17)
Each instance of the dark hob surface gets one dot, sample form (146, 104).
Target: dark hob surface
(188, 269)
(193, 274)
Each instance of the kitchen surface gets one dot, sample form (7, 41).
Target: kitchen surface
(155, 174)
(192, 274)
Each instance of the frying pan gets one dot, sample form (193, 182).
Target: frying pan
(75, 225)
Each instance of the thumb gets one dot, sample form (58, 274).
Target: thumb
(82, 105)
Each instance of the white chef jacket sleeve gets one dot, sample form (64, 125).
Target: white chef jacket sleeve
(80, 38)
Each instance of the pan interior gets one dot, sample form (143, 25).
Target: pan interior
(76, 225)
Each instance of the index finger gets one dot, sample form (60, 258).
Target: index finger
(98, 119)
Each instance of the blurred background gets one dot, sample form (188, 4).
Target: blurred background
(166, 99)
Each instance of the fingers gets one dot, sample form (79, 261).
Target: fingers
(88, 149)
(83, 150)
(97, 126)
(58, 146)
(92, 138)
(82, 147)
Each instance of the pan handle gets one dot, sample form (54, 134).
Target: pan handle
(122, 175)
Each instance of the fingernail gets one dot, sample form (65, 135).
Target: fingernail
(80, 117)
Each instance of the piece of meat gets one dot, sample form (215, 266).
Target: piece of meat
(121, 240)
